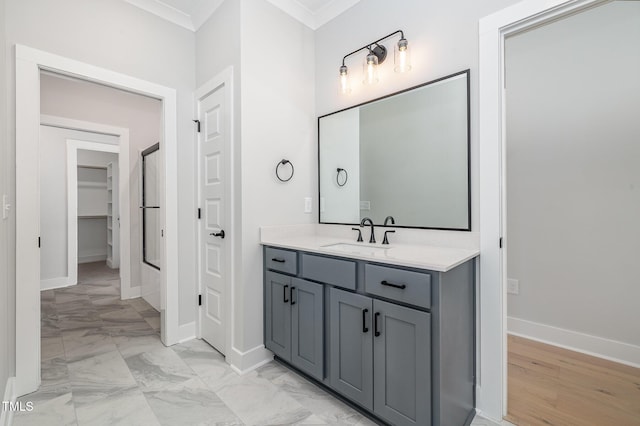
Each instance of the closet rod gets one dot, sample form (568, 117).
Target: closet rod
(92, 167)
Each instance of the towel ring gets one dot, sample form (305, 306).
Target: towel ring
(346, 177)
(282, 163)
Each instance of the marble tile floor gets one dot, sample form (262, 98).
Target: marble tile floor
(103, 364)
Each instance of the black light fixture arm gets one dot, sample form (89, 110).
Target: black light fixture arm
(368, 46)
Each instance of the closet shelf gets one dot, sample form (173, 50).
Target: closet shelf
(92, 216)
(86, 184)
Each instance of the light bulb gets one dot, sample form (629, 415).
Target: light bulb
(402, 58)
(345, 87)
(370, 69)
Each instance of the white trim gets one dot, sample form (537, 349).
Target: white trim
(612, 350)
(94, 258)
(73, 258)
(165, 11)
(224, 78)
(245, 362)
(52, 283)
(314, 19)
(6, 417)
(187, 332)
(29, 62)
(493, 29)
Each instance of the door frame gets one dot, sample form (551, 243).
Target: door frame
(126, 292)
(29, 63)
(493, 30)
(225, 80)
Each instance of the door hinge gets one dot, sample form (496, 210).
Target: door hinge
(500, 242)
(199, 213)
(199, 300)
(38, 242)
(198, 124)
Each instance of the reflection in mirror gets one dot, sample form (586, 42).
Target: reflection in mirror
(406, 156)
(151, 206)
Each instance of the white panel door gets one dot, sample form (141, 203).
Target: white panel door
(214, 248)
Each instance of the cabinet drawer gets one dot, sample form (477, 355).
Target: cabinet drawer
(396, 284)
(341, 273)
(281, 260)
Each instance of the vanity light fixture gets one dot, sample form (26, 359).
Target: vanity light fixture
(376, 55)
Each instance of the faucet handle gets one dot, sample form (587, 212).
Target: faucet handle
(359, 234)
(385, 240)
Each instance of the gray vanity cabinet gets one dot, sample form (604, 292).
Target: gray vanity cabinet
(278, 314)
(294, 322)
(401, 364)
(351, 357)
(380, 357)
(397, 342)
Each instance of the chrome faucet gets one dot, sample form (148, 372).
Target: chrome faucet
(389, 218)
(364, 221)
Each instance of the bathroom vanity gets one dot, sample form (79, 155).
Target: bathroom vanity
(389, 329)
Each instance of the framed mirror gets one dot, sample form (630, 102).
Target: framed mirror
(405, 155)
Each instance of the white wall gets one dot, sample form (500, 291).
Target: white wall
(573, 151)
(443, 37)
(278, 121)
(53, 196)
(274, 119)
(7, 233)
(121, 37)
(99, 104)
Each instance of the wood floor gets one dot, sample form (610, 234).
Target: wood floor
(548, 385)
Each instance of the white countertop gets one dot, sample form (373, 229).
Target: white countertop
(423, 256)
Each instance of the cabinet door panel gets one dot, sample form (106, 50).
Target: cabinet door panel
(307, 327)
(402, 364)
(278, 314)
(351, 347)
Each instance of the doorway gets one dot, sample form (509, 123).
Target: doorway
(494, 31)
(29, 63)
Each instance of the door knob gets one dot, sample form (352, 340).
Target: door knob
(218, 234)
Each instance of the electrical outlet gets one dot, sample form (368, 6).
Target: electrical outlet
(5, 207)
(513, 286)
(308, 204)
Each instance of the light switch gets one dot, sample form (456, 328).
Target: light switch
(513, 286)
(308, 204)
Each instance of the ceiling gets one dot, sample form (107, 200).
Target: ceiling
(191, 14)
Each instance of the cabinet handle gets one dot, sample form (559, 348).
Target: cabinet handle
(275, 259)
(284, 294)
(388, 284)
(364, 320)
(292, 301)
(376, 332)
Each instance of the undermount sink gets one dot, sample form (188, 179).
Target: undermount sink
(355, 248)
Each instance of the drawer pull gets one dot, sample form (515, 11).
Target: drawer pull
(376, 332)
(292, 301)
(275, 259)
(364, 320)
(387, 283)
(284, 294)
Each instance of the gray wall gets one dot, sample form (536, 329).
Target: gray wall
(7, 233)
(95, 103)
(573, 172)
(53, 196)
(443, 37)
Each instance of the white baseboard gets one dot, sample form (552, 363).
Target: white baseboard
(187, 332)
(92, 258)
(52, 283)
(244, 362)
(6, 417)
(131, 292)
(612, 350)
